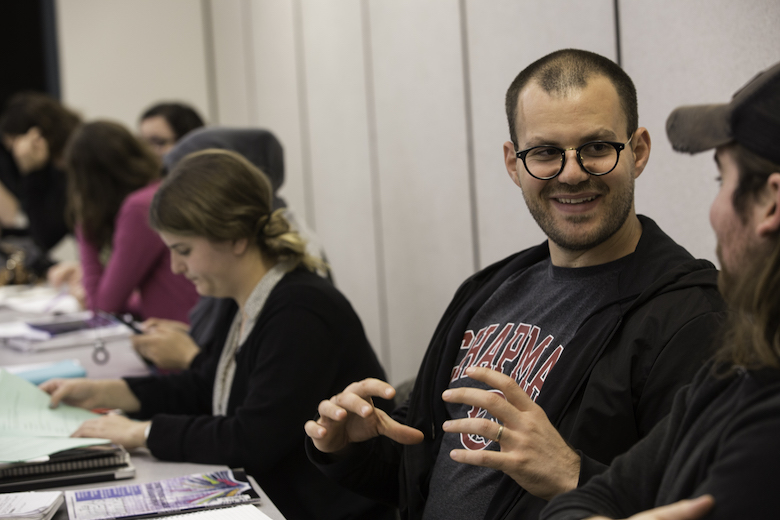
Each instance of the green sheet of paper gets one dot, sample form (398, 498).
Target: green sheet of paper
(29, 428)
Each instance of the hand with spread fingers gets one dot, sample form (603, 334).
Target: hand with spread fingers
(532, 451)
(352, 417)
(683, 510)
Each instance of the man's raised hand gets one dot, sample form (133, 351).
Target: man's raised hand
(532, 452)
(352, 417)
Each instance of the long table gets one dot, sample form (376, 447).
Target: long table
(122, 361)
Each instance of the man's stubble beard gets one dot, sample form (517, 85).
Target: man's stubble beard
(614, 219)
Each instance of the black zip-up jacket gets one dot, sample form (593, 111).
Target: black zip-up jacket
(641, 347)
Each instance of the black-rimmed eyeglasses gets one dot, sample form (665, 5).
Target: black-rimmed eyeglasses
(595, 157)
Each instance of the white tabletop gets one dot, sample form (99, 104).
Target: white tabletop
(122, 361)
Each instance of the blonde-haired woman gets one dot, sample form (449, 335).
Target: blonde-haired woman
(291, 340)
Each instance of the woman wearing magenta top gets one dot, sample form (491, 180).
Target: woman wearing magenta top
(126, 267)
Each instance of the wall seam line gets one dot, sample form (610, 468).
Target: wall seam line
(471, 162)
(249, 63)
(618, 50)
(376, 192)
(210, 61)
(303, 114)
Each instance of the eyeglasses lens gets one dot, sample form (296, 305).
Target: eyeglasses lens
(598, 157)
(545, 161)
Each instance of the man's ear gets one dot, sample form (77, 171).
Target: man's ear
(641, 148)
(768, 217)
(511, 162)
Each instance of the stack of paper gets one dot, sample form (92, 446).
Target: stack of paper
(29, 429)
(36, 449)
(63, 330)
(32, 505)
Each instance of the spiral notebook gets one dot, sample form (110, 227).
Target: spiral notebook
(99, 463)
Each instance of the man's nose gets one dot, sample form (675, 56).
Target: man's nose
(572, 172)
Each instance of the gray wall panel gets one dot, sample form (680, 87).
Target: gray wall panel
(340, 161)
(687, 53)
(233, 68)
(275, 80)
(504, 37)
(370, 98)
(117, 58)
(422, 166)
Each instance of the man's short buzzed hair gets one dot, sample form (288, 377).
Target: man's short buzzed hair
(568, 70)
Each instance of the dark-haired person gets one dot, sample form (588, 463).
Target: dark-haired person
(720, 442)
(246, 409)
(34, 129)
(548, 364)
(163, 124)
(112, 178)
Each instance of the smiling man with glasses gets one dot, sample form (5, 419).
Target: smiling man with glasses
(548, 364)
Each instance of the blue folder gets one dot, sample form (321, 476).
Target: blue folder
(65, 368)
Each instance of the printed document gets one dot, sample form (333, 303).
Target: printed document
(29, 429)
(180, 494)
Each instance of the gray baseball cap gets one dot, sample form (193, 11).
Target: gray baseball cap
(752, 119)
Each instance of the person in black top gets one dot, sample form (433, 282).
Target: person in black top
(244, 406)
(716, 455)
(34, 129)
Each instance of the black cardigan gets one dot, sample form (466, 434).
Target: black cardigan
(306, 345)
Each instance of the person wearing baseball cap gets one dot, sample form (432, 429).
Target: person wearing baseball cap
(717, 453)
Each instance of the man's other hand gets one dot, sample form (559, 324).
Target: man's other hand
(352, 417)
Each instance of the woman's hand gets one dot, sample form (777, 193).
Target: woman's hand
(166, 343)
(91, 393)
(69, 275)
(116, 428)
